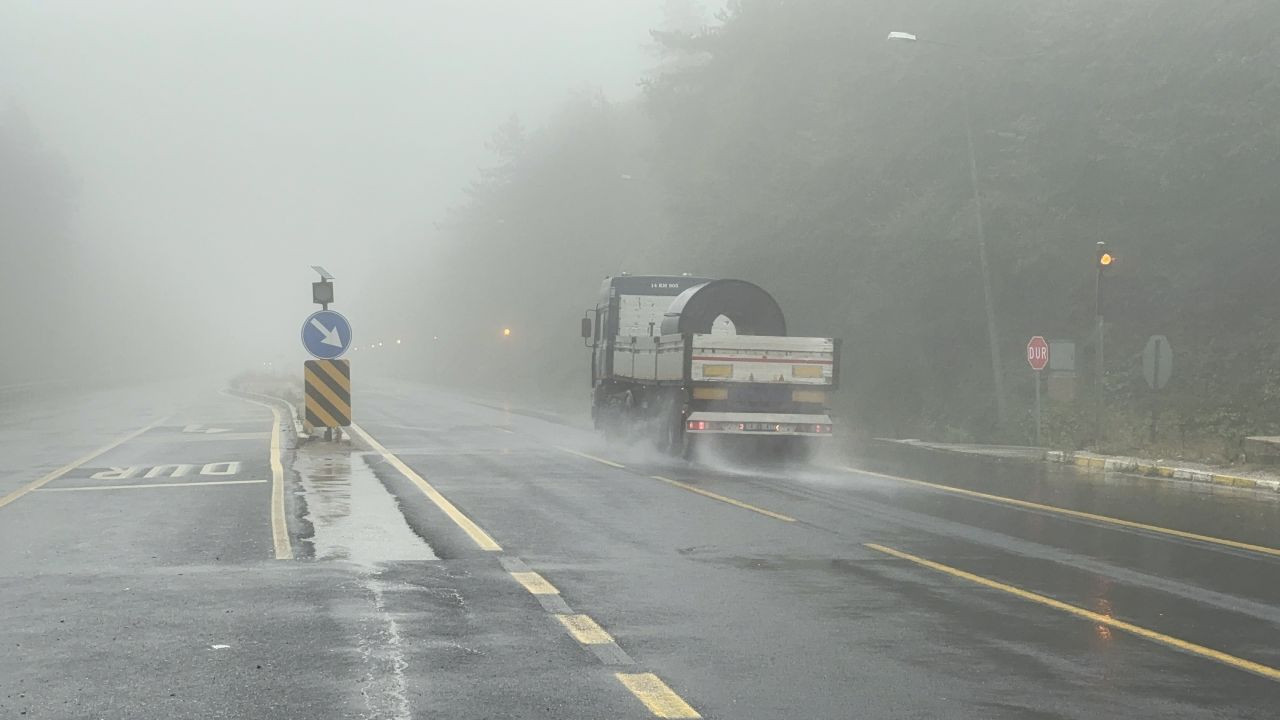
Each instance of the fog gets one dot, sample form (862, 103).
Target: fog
(208, 153)
(168, 173)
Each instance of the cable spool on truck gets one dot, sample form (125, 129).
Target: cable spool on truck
(684, 360)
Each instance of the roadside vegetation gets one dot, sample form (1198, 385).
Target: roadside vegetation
(788, 143)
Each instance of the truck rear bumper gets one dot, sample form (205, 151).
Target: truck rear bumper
(749, 423)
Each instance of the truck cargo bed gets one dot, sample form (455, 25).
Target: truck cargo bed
(687, 359)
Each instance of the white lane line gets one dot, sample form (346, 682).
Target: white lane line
(151, 485)
(36, 485)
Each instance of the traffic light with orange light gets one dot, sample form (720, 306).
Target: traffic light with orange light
(1106, 258)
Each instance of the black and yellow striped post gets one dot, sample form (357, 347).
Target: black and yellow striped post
(328, 393)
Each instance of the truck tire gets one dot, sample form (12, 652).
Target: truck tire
(687, 448)
(606, 412)
(670, 421)
(799, 450)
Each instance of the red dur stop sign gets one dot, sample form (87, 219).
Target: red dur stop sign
(1037, 353)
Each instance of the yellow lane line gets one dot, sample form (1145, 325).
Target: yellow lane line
(584, 629)
(723, 499)
(477, 535)
(602, 461)
(686, 486)
(279, 522)
(661, 700)
(535, 583)
(1079, 514)
(153, 485)
(1239, 663)
(54, 475)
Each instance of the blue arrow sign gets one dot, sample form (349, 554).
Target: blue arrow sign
(326, 334)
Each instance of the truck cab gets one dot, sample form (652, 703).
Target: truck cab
(631, 306)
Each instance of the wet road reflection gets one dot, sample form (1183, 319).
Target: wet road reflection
(352, 515)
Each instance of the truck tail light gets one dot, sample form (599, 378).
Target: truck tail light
(822, 428)
(697, 425)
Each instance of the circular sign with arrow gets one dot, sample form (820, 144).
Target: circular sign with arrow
(326, 334)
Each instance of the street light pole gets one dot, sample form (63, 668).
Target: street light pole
(1104, 260)
(993, 337)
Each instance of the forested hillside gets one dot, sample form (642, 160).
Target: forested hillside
(790, 144)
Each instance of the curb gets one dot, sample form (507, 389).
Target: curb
(1097, 463)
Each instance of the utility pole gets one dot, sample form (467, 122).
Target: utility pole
(993, 337)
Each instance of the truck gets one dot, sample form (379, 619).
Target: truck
(687, 361)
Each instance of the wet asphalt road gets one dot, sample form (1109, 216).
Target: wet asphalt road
(134, 586)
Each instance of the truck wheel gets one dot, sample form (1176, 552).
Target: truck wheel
(685, 448)
(616, 414)
(606, 416)
(615, 424)
(670, 420)
(798, 450)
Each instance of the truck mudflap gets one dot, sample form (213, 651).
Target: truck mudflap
(748, 423)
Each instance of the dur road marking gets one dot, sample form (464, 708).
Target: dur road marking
(279, 524)
(231, 467)
(661, 700)
(1262, 549)
(1265, 671)
(143, 486)
(54, 475)
(474, 531)
(724, 499)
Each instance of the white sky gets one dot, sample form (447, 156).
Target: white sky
(246, 140)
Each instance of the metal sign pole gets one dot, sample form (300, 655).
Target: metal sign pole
(1037, 408)
(1098, 374)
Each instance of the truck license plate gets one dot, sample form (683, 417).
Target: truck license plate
(766, 427)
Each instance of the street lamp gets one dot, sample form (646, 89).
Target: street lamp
(1105, 260)
(993, 337)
